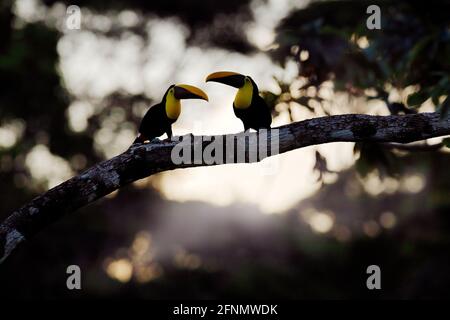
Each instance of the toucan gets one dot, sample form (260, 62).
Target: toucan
(248, 105)
(159, 118)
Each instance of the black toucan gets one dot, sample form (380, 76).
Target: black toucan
(159, 118)
(248, 105)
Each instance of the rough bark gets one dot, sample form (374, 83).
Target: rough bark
(143, 160)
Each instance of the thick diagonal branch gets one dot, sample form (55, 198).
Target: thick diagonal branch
(143, 160)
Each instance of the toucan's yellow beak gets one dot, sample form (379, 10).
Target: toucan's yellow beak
(185, 91)
(230, 78)
(221, 74)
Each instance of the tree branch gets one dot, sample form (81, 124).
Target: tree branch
(143, 160)
(414, 147)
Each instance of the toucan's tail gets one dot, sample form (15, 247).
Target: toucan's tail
(140, 139)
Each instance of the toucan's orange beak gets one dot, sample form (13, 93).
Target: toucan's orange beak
(185, 91)
(230, 78)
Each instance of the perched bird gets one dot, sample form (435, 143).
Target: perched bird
(248, 105)
(159, 118)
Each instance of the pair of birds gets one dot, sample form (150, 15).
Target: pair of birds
(248, 106)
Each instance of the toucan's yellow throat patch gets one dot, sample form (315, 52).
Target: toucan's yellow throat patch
(173, 106)
(244, 95)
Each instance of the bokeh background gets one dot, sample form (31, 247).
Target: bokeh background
(308, 229)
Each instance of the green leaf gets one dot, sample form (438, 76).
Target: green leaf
(446, 142)
(373, 157)
(418, 48)
(417, 98)
(445, 108)
(435, 99)
(303, 101)
(440, 89)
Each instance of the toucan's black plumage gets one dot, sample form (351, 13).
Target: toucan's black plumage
(159, 118)
(248, 106)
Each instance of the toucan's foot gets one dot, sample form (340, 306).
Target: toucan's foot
(155, 140)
